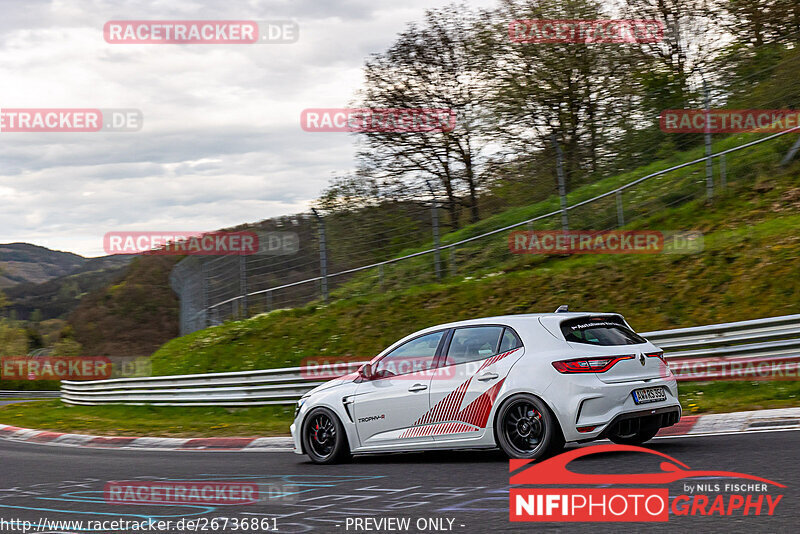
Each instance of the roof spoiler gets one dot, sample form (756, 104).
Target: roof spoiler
(562, 309)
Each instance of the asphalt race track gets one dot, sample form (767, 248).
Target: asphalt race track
(468, 488)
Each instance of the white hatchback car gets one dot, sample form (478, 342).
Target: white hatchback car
(525, 383)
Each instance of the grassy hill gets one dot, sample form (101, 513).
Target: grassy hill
(758, 188)
(748, 270)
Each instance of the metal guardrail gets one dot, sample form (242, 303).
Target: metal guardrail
(727, 333)
(241, 388)
(41, 394)
(733, 351)
(775, 340)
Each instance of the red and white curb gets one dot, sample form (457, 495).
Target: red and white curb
(689, 425)
(28, 435)
(735, 422)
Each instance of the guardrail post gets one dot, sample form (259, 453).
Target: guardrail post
(723, 178)
(323, 257)
(380, 275)
(269, 300)
(452, 261)
(620, 213)
(709, 164)
(562, 188)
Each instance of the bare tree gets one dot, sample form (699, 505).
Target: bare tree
(570, 88)
(432, 66)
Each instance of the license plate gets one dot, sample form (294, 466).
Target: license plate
(645, 395)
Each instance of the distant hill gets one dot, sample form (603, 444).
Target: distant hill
(132, 315)
(23, 262)
(53, 282)
(113, 305)
(58, 297)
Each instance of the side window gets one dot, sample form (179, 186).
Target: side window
(412, 356)
(475, 343)
(510, 341)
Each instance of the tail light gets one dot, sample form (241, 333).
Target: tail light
(659, 354)
(590, 365)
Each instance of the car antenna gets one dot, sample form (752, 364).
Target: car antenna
(563, 309)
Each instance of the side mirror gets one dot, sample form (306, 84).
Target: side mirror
(366, 371)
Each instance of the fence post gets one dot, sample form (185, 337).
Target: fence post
(452, 261)
(792, 151)
(380, 275)
(243, 284)
(437, 258)
(204, 286)
(269, 301)
(323, 256)
(562, 188)
(723, 178)
(620, 213)
(709, 163)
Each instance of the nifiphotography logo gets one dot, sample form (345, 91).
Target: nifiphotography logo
(601, 503)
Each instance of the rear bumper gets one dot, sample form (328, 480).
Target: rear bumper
(584, 402)
(652, 418)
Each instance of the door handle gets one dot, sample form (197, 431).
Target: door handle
(487, 376)
(418, 387)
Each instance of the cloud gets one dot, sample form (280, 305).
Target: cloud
(221, 142)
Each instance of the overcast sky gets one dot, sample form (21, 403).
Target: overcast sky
(221, 142)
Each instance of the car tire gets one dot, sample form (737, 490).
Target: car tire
(636, 438)
(525, 428)
(324, 437)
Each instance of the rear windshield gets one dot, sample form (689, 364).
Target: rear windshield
(599, 331)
